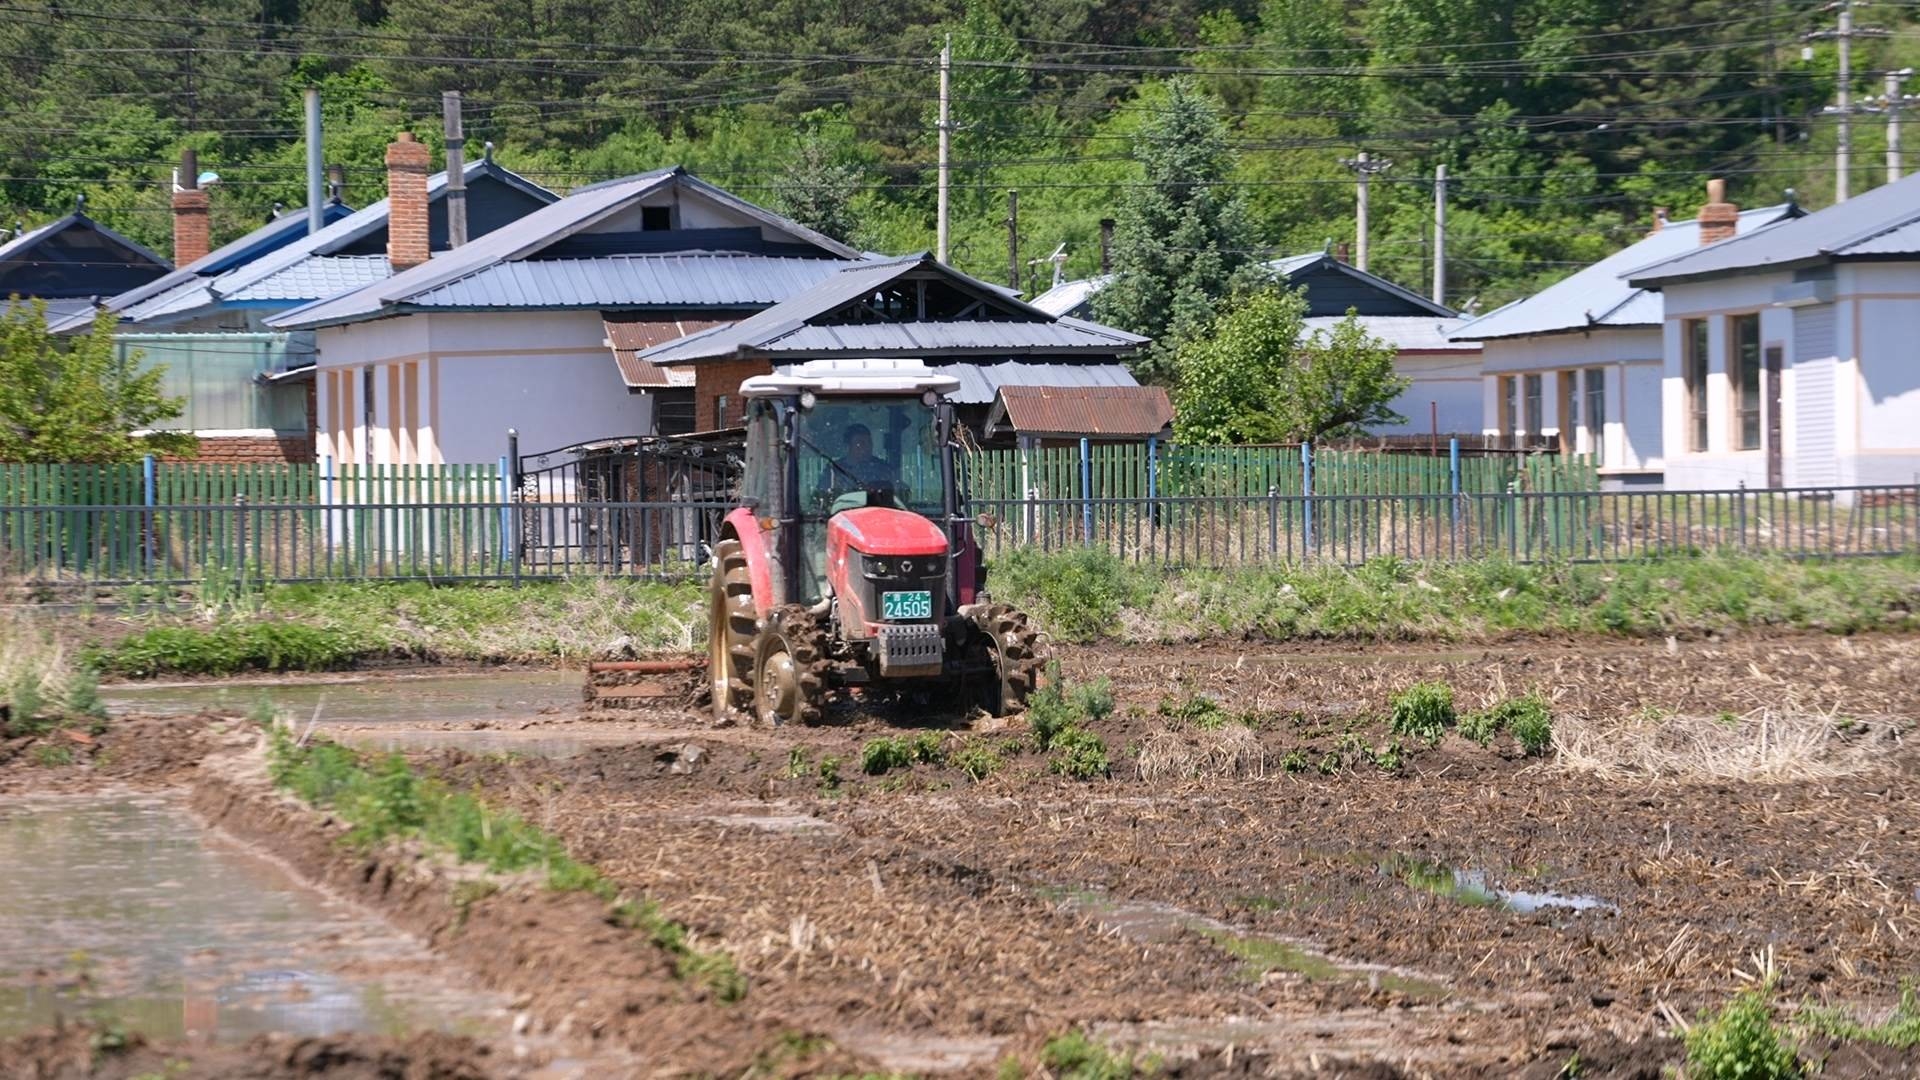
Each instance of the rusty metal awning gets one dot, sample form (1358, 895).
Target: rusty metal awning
(1105, 412)
(630, 333)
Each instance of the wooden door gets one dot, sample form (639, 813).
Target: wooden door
(1775, 469)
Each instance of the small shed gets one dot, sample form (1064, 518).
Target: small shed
(1039, 415)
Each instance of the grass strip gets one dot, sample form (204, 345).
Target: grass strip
(385, 799)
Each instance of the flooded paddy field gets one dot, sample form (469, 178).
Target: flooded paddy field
(1263, 882)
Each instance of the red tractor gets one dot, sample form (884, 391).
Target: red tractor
(851, 560)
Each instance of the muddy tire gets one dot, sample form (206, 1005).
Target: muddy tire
(731, 625)
(1013, 647)
(789, 669)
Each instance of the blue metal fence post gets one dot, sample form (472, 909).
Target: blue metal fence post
(1306, 489)
(1086, 494)
(1453, 477)
(147, 478)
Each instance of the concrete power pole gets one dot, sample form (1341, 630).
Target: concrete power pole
(1440, 235)
(316, 168)
(946, 133)
(1364, 168)
(1894, 103)
(1843, 35)
(1013, 238)
(456, 168)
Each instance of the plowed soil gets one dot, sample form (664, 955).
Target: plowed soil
(1241, 913)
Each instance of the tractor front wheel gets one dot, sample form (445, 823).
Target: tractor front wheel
(789, 668)
(730, 628)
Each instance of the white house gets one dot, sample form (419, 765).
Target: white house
(1790, 353)
(1581, 360)
(1443, 370)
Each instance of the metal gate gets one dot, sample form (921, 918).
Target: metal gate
(640, 504)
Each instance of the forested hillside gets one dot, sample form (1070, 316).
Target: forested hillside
(1563, 123)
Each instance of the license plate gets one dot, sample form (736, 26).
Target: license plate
(906, 605)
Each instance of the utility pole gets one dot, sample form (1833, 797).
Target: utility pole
(316, 213)
(1893, 105)
(1440, 235)
(1013, 238)
(1844, 35)
(1364, 168)
(946, 135)
(456, 168)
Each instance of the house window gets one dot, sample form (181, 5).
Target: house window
(1743, 369)
(1694, 373)
(1509, 406)
(1534, 416)
(673, 412)
(1594, 414)
(656, 218)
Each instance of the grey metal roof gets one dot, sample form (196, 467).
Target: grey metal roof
(1600, 295)
(979, 383)
(518, 241)
(276, 233)
(1408, 333)
(1874, 224)
(27, 241)
(786, 327)
(1066, 297)
(681, 279)
(319, 275)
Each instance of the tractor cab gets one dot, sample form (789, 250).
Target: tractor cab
(850, 561)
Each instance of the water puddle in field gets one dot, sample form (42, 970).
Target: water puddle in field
(1476, 888)
(1142, 920)
(121, 909)
(398, 699)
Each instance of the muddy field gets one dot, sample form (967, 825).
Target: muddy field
(1259, 887)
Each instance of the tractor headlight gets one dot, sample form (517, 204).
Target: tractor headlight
(878, 567)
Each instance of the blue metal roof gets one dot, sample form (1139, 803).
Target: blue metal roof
(1600, 295)
(1878, 223)
(623, 281)
(520, 242)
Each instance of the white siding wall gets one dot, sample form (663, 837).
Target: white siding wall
(1719, 466)
(1631, 436)
(1450, 381)
(465, 378)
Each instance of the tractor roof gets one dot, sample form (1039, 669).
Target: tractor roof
(907, 378)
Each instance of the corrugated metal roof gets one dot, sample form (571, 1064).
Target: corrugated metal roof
(785, 328)
(320, 275)
(1099, 411)
(1600, 294)
(1066, 297)
(681, 279)
(19, 246)
(980, 382)
(1408, 333)
(1875, 223)
(516, 243)
(629, 332)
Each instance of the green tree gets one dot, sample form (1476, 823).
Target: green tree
(1259, 375)
(819, 191)
(78, 399)
(1181, 239)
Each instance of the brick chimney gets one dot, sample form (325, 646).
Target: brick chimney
(1719, 219)
(191, 238)
(407, 164)
(1659, 220)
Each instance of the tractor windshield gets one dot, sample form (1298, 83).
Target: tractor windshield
(858, 451)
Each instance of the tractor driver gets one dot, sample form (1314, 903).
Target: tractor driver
(860, 467)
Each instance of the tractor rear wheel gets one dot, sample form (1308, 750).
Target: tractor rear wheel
(1013, 647)
(731, 624)
(789, 668)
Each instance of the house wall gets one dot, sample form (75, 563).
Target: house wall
(1630, 437)
(1450, 381)
(444, 388)
(1849, 394)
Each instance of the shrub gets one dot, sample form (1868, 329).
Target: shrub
(1049, 712)
(1079, 592)
(1197, 709)
(1074, 1056)
(1530, 713)
(1741, 1043)
(1480, 726)
(1901, 1030)
(883, 755)
(1423, 711)
(230, 649)
(1093, 700)
(1533, 730)
(978, 761)
(1080, 754)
